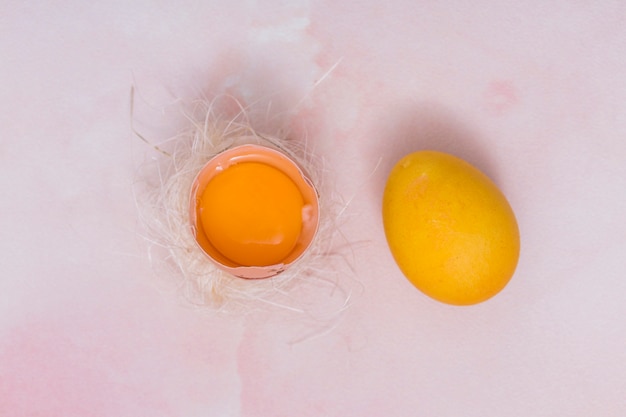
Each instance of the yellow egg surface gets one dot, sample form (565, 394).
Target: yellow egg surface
(449, 228)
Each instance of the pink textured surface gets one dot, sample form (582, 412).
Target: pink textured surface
(533, 94)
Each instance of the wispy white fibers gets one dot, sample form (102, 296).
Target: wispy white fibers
(162, 193)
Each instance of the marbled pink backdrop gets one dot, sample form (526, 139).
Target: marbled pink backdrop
(532, 93)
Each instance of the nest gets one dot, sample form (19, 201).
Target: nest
(162, 195)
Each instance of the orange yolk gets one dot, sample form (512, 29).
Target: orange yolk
(252, 214)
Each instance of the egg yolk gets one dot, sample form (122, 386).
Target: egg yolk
(252, 214)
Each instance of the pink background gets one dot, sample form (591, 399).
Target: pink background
(533, 93)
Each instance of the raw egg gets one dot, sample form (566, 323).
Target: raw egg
(450, 229)
(252, 214)
(253, 211)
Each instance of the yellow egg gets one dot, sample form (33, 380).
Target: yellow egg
(449, 228)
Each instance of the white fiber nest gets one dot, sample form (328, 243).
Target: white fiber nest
(162, 194)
